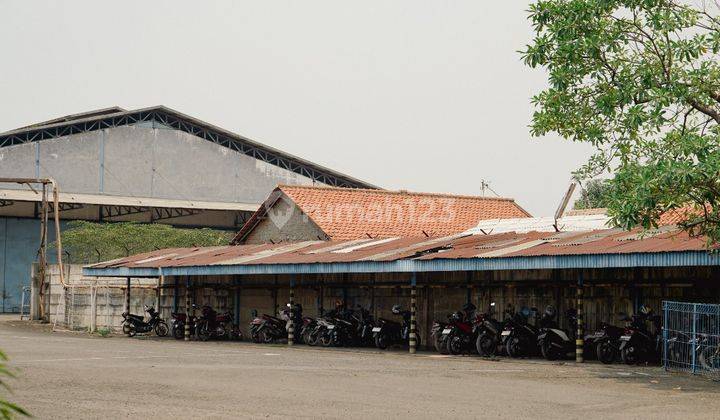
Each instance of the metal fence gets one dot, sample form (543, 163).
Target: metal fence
(691, 338)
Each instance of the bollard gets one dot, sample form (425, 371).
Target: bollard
(291, 323)
(413, 314)
(580, 339)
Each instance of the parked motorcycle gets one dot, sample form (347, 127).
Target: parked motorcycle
(604, 344)
(364, 324)
(134, 324)
(519, 336)
(335, 332)
(709, 353)
(177, 325)
(459, 335)
(554, 342)
(487, 331)
(638, 344)
(267, 329)
(213, 325)
(389, 333)
(307, 331)
(436, 336)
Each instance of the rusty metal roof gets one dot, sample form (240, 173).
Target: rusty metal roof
(511, 248)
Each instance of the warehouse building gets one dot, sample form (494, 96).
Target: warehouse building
(152, 165)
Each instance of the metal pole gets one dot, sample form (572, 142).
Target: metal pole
(236, 303)
(694, 337)
(187, 308)
(127, 296)
(291, 323)
(580, 339)
(468, 293)
(176, 298)
(665, 335)
(413, 313)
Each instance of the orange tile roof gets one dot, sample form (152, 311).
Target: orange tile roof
(351, 213)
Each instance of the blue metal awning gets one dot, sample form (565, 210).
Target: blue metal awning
(589, 261)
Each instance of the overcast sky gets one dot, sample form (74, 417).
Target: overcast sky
(424, 96)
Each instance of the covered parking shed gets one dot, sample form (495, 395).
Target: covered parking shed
(598, 272)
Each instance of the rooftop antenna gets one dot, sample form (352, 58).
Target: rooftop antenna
(484, 185)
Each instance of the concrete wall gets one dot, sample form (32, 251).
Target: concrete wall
(285, 222)
(143, 160)
(71, 307)
(147, 160)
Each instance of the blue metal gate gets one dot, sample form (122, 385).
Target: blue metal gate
(691, 338)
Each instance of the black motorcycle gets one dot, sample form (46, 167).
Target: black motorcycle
(335, 332)
(519, 336)
(135, 324)
(604, 343)
(389, 333)
(639, 344)
(364, 323)
(554, 342)
(487, 331)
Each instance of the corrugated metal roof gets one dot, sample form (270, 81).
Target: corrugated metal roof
(597, 248)
(573, 223)
(116, 200)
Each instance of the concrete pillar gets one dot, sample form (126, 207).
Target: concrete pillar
(187, 308)
(291, 323)
(580, 339)
(35, 293)
(413, 313)
(93, 308)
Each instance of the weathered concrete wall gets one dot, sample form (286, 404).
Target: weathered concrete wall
(286, 222)
(72, 307)
(143, 160)
(147, 161)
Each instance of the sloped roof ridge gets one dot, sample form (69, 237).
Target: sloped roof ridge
(382, 191)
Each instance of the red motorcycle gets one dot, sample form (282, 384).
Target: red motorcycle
(219, 326)
(459, 335)
(178, 324)
(267, 328)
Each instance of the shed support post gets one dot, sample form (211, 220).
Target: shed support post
(93, 308)
(468, 285)
(413, 313)
(187, 308)
(580, 337)
(291, 322)
(236, 303)
(127, 296)
(176, 297)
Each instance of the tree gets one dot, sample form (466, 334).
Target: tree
(596, 194)
(7, 409)
(87, 242)
(639, 80)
